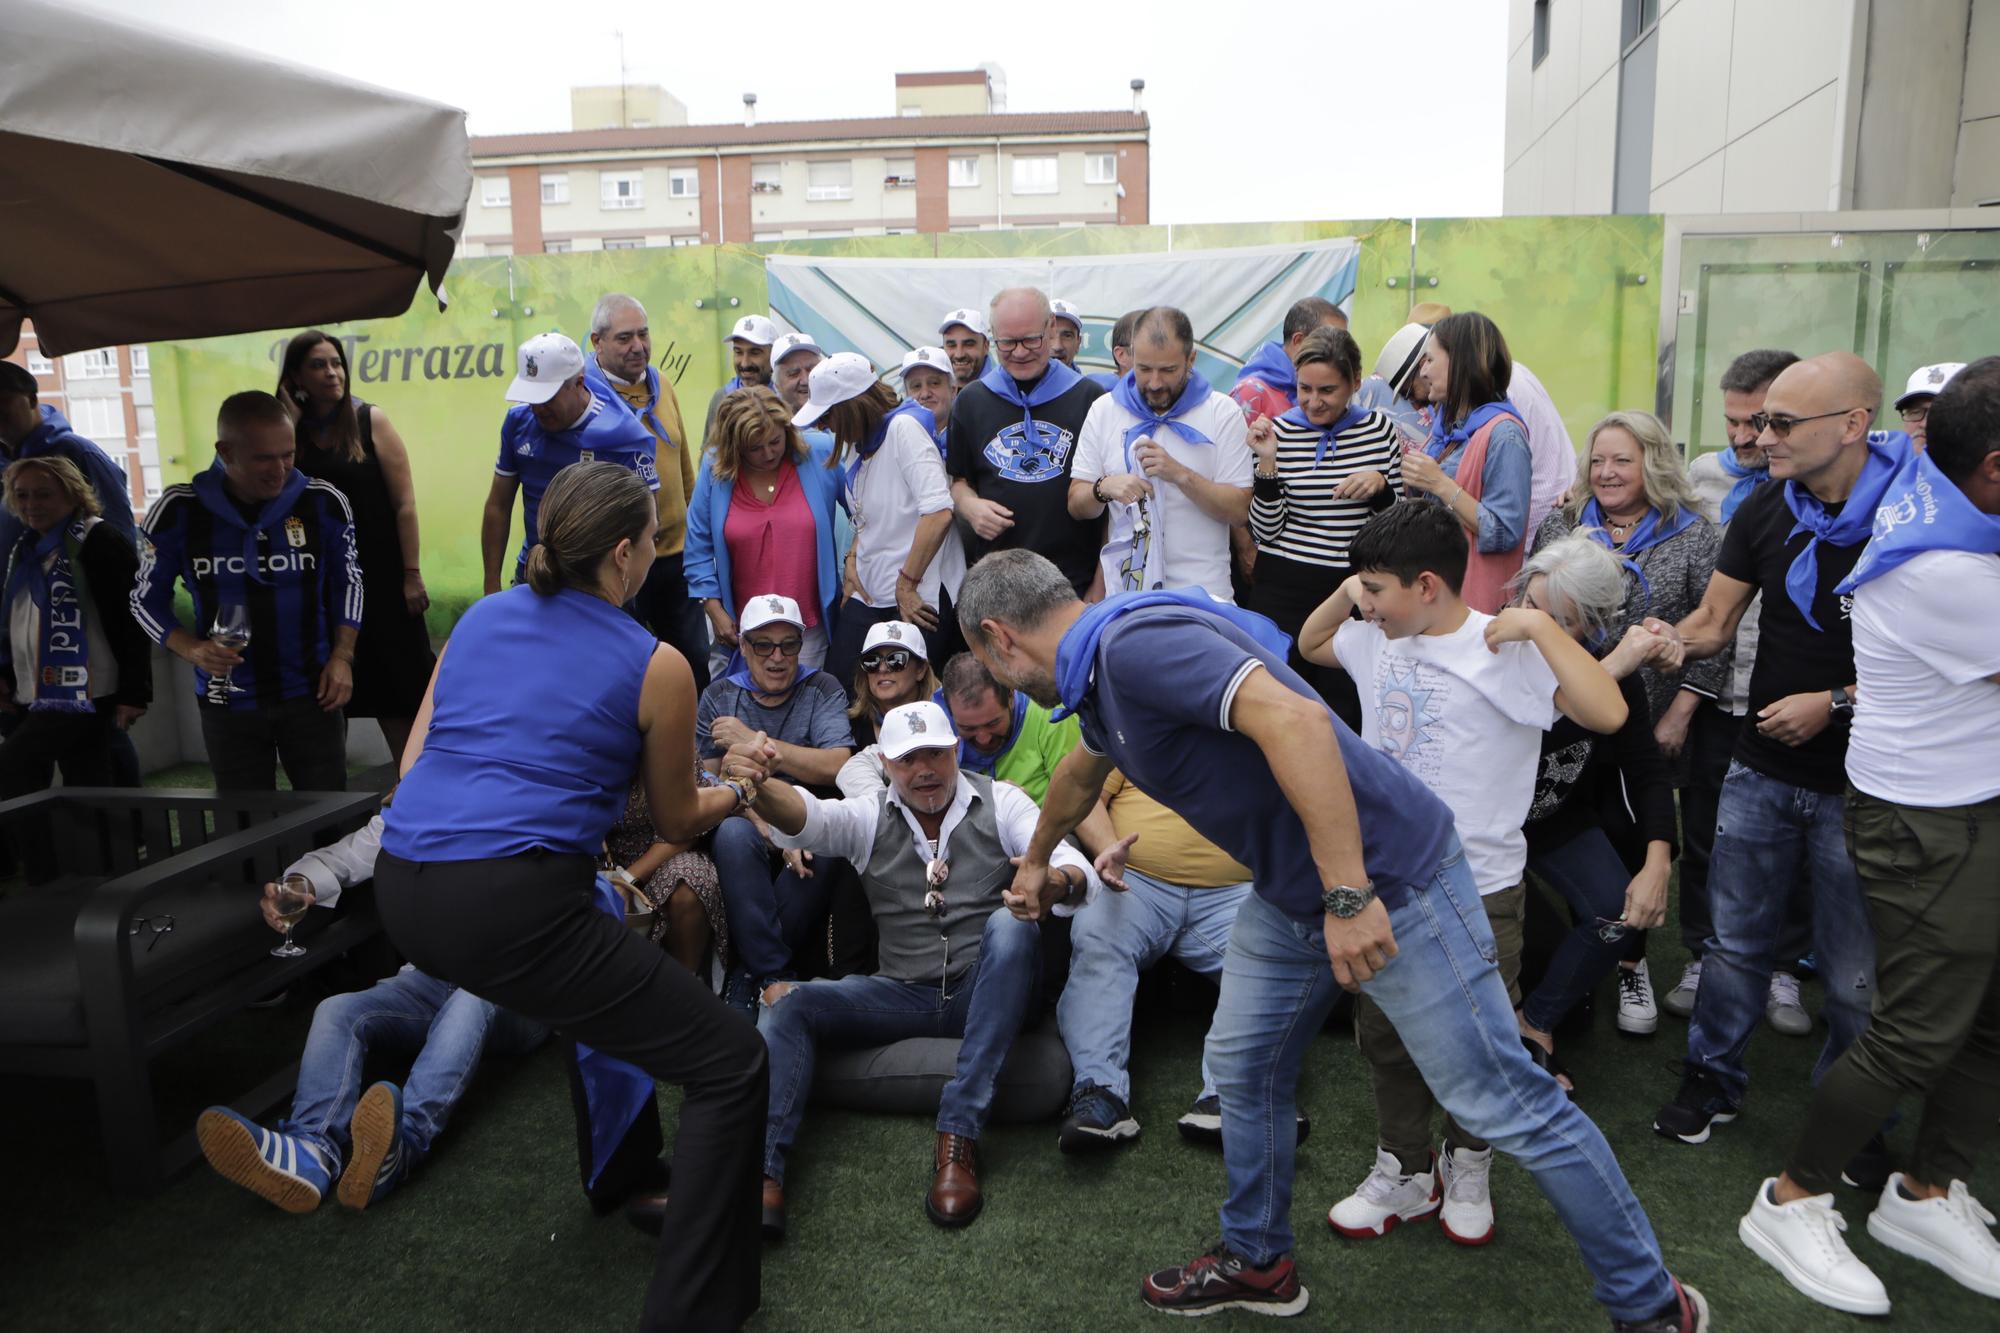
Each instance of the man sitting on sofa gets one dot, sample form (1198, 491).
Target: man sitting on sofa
(933, 851)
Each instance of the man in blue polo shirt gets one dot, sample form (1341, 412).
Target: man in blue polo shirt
(558, 420)
(1191, 699)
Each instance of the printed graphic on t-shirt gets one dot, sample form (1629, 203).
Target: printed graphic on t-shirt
(1559, 772)
(1407, 708)
(1017, 456)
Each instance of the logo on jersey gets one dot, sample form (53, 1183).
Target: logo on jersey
(292, 562)
(1019, 455)
(295, 532)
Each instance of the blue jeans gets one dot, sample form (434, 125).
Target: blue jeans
(1591, 877)
(448, 1028)
(770, 914)
(1444, 994)
(1116, 938)
(986, 1007)
(1770, 835)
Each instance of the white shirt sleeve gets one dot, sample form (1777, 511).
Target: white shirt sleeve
(1233, 459)
(1099, 451)
(921, 466)
(1355, 646)
(342, 864)
(843, 828)
(1016, 814)
(1528, 693)
(863, 775)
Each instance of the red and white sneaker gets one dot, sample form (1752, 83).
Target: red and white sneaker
(1389, 1195)
(1224, 1280)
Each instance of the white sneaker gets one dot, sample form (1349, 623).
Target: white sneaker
(1680, 1000)
(1465, 1180)
(1949, 1233)
(1637, 1014)
(1801, 1239)
(1387, 1197)
(1782, 1009)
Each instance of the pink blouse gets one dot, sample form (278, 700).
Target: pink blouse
(773, 544)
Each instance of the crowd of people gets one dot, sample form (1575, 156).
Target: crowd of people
(929, 700)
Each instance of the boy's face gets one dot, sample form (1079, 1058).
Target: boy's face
(1400, 609)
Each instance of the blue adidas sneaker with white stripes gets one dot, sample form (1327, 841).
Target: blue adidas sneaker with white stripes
(282, 1168)
(376, 1161)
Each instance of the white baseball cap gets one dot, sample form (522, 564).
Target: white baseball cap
(794, 342)
(842, 376)
(917, 726)
(544, 364)
(1925, 381)
(895, 634)
(1066, 310)
(924, 358)
(754, 329)
(768, 608)
(967, 316)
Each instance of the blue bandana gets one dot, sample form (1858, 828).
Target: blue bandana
(615, 1091)
(208, 489)
(1921, 510)
(62, 657)
(600, 384)
(1127, 396)
(1650, 533)
(1748, 479)
(866, 449)
(1269, 365)
(1348, 421)
(1888, 451)
(1076, 655)
(735, 383)
(975, 761)
(1443, 439)
(739, 676)
(1058, 380)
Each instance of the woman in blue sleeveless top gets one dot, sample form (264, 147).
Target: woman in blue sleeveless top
(522, 753)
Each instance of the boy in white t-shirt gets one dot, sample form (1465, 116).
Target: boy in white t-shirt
(1461, 699)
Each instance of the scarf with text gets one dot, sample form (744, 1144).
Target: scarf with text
(1921, 510)
(62, 655)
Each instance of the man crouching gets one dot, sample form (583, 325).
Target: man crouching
(935, 851)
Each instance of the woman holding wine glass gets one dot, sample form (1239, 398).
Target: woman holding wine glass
(486, 876)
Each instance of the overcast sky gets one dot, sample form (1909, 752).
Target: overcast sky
(1320, 109)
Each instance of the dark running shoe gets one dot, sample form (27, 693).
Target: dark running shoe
(1688, 1314)
(1203, 1123)
(1223, 1280)
(1097, 1119)
(1698, 1107)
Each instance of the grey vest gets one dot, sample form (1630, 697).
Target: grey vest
(909, 948)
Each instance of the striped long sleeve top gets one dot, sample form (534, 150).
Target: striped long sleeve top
(1299, 517)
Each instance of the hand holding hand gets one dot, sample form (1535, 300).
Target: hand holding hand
(750, 758)
(1036, 889)
(1671, 653)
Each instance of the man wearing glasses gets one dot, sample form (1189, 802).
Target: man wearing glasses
(1926, 382)
(1012, 440)
(772, 901)
(1779, 821)
(933, 850)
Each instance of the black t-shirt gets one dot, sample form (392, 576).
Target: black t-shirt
(1792, 656)
(988, 447)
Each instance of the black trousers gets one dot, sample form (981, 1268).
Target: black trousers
(38, 741)
(1289, 591)
(525, 933)
(664, 606)
(245, 745)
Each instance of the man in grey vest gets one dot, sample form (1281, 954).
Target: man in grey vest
(934, 851)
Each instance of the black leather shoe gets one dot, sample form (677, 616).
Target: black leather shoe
(647, 1211)
(774, 1210)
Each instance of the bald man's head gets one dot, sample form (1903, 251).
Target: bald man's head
(1816, 417)
(1829, 382)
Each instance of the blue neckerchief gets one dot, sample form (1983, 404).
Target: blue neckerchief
(740, 677)
(1748, 479)
(1650, 533)
(1921, 510)
(1887, 452)
(866, 449)
(208, 488)
(1103, 379)
(1056, 381)
(1348, 421)
(735, 383)
(615, 1091)
(1269, 365)
(62, 656)
(975, 761)
(1076, 655)
(1443, 438)
(604, 387)
(1193, 394)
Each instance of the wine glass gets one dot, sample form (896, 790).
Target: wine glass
(232, 630)
(294, 896)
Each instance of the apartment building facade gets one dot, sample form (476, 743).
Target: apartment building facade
(949, 160)
(107, 394)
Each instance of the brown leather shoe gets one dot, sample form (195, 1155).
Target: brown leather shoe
(955, 1199)
(774, 1210)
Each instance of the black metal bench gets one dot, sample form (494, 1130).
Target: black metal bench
(134, 926)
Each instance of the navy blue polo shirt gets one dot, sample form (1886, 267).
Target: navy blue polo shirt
(1158, 706)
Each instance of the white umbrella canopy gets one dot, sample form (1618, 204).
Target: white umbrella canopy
(155, 187)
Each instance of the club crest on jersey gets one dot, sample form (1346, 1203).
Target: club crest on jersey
(295, 532)
(1018, 455)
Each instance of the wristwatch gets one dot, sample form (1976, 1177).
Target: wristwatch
(1346, 901)
(1839, 703)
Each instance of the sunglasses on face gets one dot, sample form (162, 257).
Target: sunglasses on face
(894, 660)
(1781, 425)
(766, 647)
